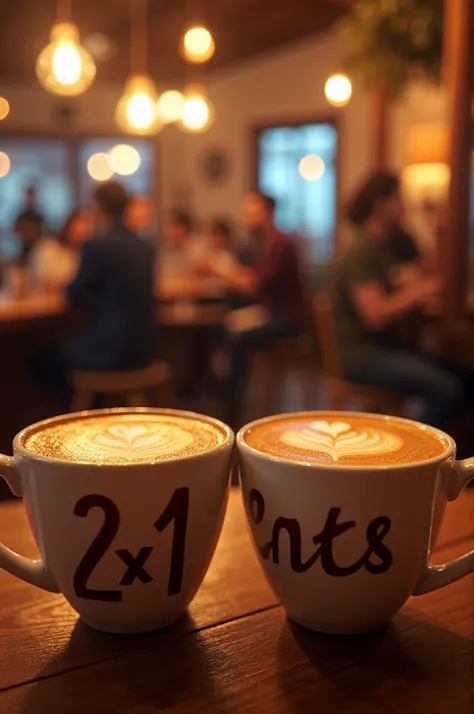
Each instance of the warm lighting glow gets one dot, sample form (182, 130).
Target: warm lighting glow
(65, 67)
(311, 167)
(198, 112)
(136, 111)
(426, 181)
(5, 164)
(338, 90)
(170, 106)
(99, 168)
(4, 108)
(124, 159)
(198, 45)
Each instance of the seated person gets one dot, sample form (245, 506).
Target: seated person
(116, 275)
(181, 245)
(28, 228)
(272, 280)
(373, 309)
(55, 261)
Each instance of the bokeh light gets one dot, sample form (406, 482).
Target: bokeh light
(338, 90)
(99, 168)
(4, 108)
(170, 106)
(124, 159)
(5, 164)
(311, 167)
(198, 45)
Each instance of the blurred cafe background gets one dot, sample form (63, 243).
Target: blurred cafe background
(239, 207)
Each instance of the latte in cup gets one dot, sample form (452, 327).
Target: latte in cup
(124, 438)
(355, 440)
(344, 509)
(126, 506)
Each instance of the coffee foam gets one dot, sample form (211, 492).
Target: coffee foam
(345, 440)
(124, 438)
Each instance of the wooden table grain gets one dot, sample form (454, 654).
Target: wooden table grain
(236, 652)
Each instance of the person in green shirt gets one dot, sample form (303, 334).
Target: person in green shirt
(374, 307)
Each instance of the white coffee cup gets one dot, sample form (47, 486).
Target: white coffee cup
(128, 545)
(390, 516)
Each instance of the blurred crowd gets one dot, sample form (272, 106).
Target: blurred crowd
(384, 285)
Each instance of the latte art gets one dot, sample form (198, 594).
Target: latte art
(345, 439)
(338, 439)
(125, 438)
(139, 440)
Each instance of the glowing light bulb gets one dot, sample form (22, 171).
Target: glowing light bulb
(311, 167)
(136, 111)
(5, 164)
(65, 67)
(124, 159)
(4, 108)
(140, 110)
(99, 168)
(198, 45)
(338, 90)
(170, 106)
(198, 112)
(67, 63)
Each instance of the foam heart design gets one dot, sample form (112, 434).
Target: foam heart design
(339, 439)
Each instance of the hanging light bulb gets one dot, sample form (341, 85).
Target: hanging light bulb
(338, 90)
(65, 67)
(136, 110)
(170, 106)
(198, 45)
(198, 111)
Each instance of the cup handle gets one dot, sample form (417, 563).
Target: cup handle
(437, 576)
(34, 572)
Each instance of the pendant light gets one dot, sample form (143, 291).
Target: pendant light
(198, 112)
(338, 90)
(170, 106)
(65, 67)
(198, 45)
(136, 111)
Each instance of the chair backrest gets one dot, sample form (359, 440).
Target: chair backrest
(327, 337)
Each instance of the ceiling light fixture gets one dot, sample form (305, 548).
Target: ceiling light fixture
(198, 111)
(65, 67)
(136, 111)
(170, 106)
(338, 90)
(198, 45)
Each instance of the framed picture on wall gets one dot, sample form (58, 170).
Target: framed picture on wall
(215, 165)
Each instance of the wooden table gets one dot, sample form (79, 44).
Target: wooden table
(236, 652)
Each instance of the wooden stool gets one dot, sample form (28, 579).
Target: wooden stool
(133, 384)
(340, 391)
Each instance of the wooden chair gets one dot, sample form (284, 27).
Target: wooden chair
(274, 363)
(340, 391)
(134, 385)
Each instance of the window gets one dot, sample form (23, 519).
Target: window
(58, 170)
(297, 166)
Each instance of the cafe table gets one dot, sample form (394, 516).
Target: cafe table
(236, 651)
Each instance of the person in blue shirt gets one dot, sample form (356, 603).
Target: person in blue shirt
(116, 279)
